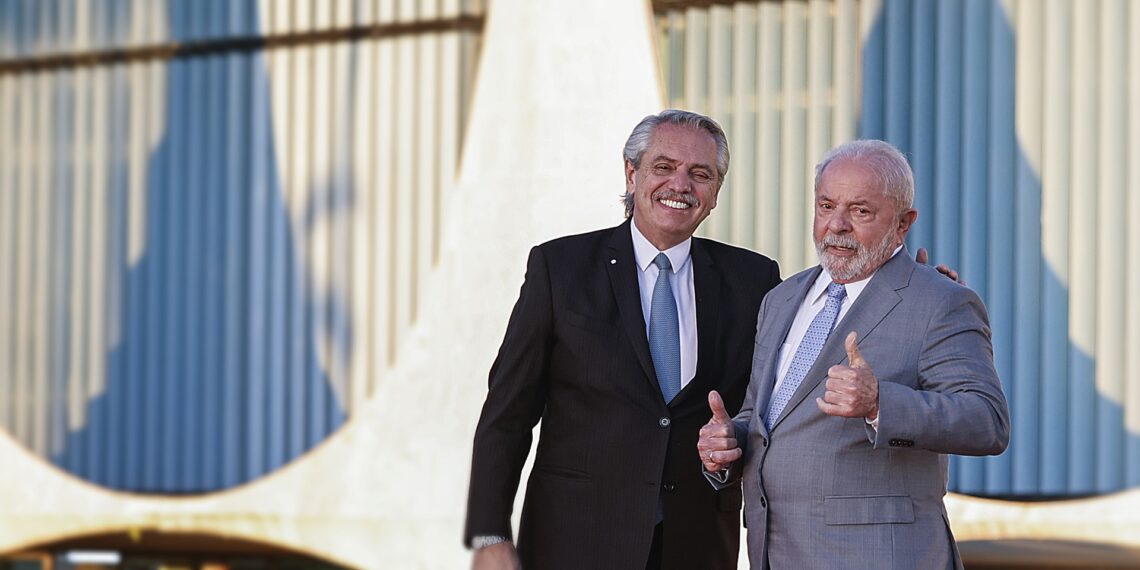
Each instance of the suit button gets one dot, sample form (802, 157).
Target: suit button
(763, 503)
(764, 441)
(664, 422)
(669, 486)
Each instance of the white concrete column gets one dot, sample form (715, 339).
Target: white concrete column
(560, 86)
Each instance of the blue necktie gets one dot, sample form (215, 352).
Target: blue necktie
(808, 351)
(664, 335)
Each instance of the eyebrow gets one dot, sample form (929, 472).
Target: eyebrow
(675, 161)
(822, 196)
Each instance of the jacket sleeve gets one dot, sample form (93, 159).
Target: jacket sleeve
(958, 405)
(515, 401)
(743, 419)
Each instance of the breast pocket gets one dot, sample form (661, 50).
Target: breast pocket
(765, 361)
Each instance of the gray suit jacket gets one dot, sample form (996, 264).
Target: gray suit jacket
(830, 492)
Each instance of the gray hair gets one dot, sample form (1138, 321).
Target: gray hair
(884, 159)
(638, 142)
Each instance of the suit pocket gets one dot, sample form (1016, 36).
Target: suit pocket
(875, 509)
(558, 472)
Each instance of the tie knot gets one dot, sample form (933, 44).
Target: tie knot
(662, 262)
(836, 291)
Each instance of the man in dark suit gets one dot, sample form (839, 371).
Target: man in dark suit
(615, 482)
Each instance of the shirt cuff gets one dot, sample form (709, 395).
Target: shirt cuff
(875, 422)
(483, 541)
(720, 476)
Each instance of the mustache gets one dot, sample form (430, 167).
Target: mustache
(832, 240)
(671, 195)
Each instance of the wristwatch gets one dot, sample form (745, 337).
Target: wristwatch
(483, 541)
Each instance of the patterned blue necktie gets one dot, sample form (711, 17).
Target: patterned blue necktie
(808, 351)
(664, 335)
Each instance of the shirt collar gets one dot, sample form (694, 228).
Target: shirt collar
(644, 252)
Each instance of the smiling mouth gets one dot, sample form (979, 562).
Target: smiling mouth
(675, 204)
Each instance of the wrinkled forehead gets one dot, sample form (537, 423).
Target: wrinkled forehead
(682, 143)
(852, 179)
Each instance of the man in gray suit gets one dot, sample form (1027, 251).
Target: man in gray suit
(866, 372)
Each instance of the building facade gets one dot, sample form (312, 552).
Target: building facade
(234, 235)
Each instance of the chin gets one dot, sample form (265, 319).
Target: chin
(838, 272)
(845, 268)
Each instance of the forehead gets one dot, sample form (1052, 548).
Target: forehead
(849, 179)
(682, 143)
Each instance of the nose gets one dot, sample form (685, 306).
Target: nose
(680, 182)
(838, 222)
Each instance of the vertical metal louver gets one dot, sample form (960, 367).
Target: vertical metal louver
(214, 219)
(1018, 117)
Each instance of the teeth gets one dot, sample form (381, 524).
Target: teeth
(676, 204)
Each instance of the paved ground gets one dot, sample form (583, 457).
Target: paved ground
(1018, 554)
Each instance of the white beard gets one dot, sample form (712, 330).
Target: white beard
(864, 262)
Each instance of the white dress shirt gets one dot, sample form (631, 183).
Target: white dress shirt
(682, 283)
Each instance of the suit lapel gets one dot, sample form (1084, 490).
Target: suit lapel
(873, 305)
(622, 269)
(875, 302)
(783, 313)
(706, 290)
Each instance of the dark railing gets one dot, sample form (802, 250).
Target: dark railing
(177, 50)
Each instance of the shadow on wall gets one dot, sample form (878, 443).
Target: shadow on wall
(939, 83)
(216, 378)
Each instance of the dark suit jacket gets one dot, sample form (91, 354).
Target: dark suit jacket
(575, 355)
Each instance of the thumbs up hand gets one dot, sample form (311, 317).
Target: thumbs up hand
(717, 443)
(852, 390)
(720, 415)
